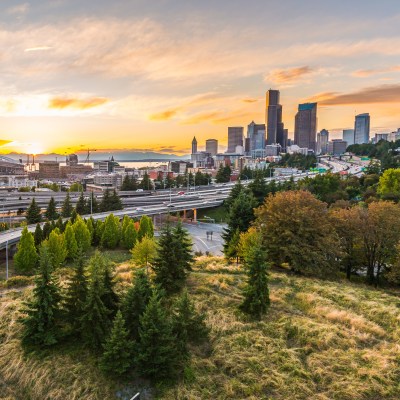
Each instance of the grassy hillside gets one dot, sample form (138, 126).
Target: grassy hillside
(321, 340)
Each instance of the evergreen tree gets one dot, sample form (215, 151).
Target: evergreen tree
(188, 324)
(60, 224)
(259, 188)
(67, 208)
(117, 357)
(33, 215)
(26, 257)
(156, 354)
(124, 224)
(129, 236)
(145, 227)
(47, 228)
(81, 206)
(109, 297)
(105, 202)
(70, 241)
(76, 293)
(135, 301)
(51, 211)
(38, 235)
(183, 247)
(233, 194)
(92, 205)
(144, 252)
(129, 183)
(223, 174)
(56, 248)
(95, 322)
(74, 216)
(111, 233)
(256, 293)
(82, 234)
(146, 183)
(172, 261)
(41, 322)
(98, 233)
(90, 223)
(231, 247)
(115, 201)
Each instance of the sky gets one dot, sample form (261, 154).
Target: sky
(149, 75)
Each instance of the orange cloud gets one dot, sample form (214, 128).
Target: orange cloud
(289, 75)
(164, 115)
(80, 104)
(250, 100)
(364, 73)
(202, 117)
(370, 95)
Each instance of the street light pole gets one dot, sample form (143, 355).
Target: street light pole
(7, 260)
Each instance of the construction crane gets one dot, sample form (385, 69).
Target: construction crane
(88, 154)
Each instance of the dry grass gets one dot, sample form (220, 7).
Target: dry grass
(320, 340)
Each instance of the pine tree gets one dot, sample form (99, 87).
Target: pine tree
(60, 224)
(47, 228)
(98, 232)
(33, 215)
(38, 235)
(234, 193)
(109, 297)
(256, 293)
(56, 247)
(146, 183)
(81, 206)
(145, 227)
(74, 216)
(70, 241)
(170, 269)
(41, 322)
(259, 188)
(26, 256)
(105, 204)
(51, 211)
(115, 201)
(76, 293)
(117, 357)
(183, 247)
(135, 302)
(144, 252)
(157, 353)
(90, 223)
(111, 233)
(95, 322)
(188, 324)
(67, 208)
(92, 206)
(82, 234)
(124, 224)
(129, 236)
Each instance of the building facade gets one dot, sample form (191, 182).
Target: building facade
(337, 147)
(361, 128)
(273, 119)
(322, 141)
(348, 136)
(194, 145)
(212, 146)
(235, 138)
(305, 126)
(256, 136)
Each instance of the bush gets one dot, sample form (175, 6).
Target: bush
(18, 281)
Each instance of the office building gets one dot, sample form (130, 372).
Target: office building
(212, 146)
(361, 128)
(256, 136)
(305, 126)
(381, 136)
(322, 141)
(49, 169)
(337, 147)
(235, 138)
(273, 119)
(194, 145)
(348, 136)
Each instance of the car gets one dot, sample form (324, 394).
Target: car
(137, 209)
(139, 190)
(181, 193)
(170, 205)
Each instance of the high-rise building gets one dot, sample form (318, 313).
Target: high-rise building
(322, 141)
(273, 119)
(305, 126)
(256, 135)
(337, 147)
(348, 136)
(212, 146)
(194, 145)
(235, 138)
(361, 128)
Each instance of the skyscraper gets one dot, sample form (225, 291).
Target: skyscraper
(256, 136)
(348, 136)
(361, 128)
(322, 141)
(235, 138)
(273, 119)
(305, 126)
(194, 145)
(212, 146)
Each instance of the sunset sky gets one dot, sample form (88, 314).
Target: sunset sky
(148, 75)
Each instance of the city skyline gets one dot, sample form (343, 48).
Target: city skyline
(150, 77)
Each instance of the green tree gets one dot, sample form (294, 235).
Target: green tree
(146, 183)
(56, 248)
(47, 228)
(129, 183)
(117, 357)
(26, 257)
(51, 211)
(60, 224)
(145, 227)
(233, 194)
(76, 293)
(223, 174)
(40, 325)
(157, 354)
(135, 302)
(109, 296)
(389, 184)
(76, 187)
(111, 234)
(33, 215)
(90, 223)
(74, 216)
(81, 205)
(115, 201)
(38, 235)
(144, 252)
(256, 293)
(82, 234)
(70, 241)
(182, 244)
(129, 236)
(92, 205)
(188, 324)
(258, 187)
(98, 232)
(95, 322)
(105, 204)
(67, 208)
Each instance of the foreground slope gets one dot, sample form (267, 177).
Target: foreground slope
(320, 340)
